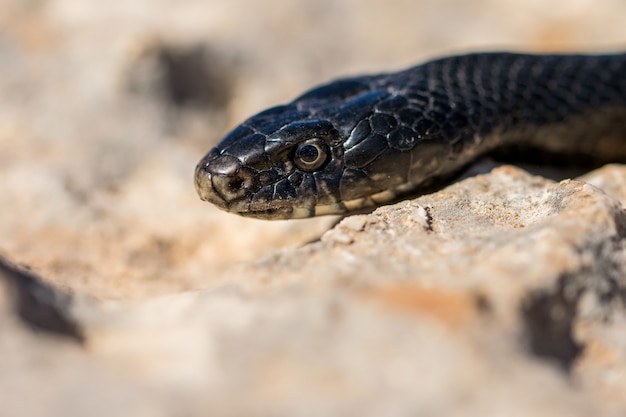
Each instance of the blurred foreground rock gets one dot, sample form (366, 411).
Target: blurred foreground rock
(500, 295)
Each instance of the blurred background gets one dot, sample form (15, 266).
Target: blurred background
(106, 107)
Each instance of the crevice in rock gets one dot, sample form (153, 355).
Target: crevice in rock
(184, 76)
(483, 304)
(549, 314)
(548, 317)
(40, 306)
(192, 76)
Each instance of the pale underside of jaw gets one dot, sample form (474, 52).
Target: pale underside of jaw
(340, 207)
(380, 198)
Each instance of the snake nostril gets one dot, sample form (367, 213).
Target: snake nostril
(236, 184)
(222, 179)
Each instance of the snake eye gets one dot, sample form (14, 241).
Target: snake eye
(311, 154)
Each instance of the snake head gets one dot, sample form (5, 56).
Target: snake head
(338, 148)
(285, 174)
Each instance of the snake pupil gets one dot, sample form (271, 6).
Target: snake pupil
(311, 154)
(308, 153)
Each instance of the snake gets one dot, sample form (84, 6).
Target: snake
(361, 142)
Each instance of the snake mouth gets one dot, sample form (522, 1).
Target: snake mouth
(232, 193)
(261, 210)
(269, 214)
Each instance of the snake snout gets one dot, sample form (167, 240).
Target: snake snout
(223, 180)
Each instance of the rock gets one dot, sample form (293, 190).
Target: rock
(502, 294)
(44, 368)
(39, 305)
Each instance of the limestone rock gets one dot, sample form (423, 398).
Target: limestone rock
(44, 367)
(502, 294)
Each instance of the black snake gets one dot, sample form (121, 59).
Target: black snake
(371, 140)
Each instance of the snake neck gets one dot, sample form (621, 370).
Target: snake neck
(560, 104)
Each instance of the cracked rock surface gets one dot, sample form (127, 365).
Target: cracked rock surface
(502, 294)
(121, 293)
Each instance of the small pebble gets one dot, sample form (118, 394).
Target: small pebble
(337, 236)
(420, 216)
(356, 223)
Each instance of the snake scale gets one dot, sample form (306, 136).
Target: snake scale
(375, 139)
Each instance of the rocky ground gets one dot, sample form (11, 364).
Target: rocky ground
(121, 293)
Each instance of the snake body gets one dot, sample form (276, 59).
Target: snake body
(370, 140)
